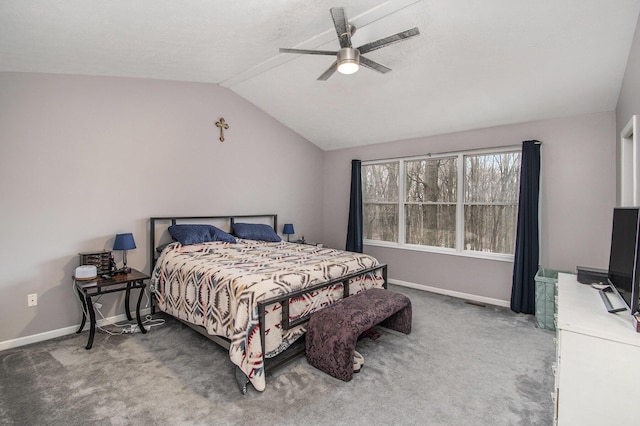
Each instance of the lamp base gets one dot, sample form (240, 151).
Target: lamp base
(122, 271)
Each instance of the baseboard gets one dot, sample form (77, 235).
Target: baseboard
(47, 335)
(34, 338)
(460, 295)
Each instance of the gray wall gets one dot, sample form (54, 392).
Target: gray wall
(84, 158)
(629, 99)
(577, 195)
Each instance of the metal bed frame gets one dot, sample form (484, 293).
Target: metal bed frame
(298, 347)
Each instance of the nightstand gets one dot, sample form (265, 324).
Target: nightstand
(96, 287)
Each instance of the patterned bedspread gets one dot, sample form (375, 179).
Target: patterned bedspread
(217, 285)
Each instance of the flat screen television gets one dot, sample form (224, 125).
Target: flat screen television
(623, 274)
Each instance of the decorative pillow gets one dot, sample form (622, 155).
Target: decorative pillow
(196, 234)
(255, 231)
(219, 235)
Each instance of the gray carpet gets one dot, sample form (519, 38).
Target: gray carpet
(461, 365)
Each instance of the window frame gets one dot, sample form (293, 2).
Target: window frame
(460, 204)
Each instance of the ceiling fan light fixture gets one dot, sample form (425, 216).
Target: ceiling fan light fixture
(348, 60)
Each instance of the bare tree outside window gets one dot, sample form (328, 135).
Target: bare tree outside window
(380, 201)
(491, 202)
(430, 202)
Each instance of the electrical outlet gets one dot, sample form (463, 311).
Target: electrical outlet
(32, 300)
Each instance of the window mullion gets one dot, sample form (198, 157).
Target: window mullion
(401, 203)
(460, 205)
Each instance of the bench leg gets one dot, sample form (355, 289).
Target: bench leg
(400, 321)
(330, 353)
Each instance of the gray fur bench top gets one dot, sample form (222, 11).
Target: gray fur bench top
(332, 333)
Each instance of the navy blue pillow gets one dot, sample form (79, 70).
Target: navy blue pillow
(196, 234)
(219, 235)
(255, 231)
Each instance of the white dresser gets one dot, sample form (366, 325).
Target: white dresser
(598, 360)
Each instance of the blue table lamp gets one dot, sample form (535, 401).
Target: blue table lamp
(288, 230)
(124, 242)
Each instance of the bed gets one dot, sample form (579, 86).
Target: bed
(253, 294)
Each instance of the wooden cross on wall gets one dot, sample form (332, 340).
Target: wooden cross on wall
(222, 125)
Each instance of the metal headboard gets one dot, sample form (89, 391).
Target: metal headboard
(173, 220)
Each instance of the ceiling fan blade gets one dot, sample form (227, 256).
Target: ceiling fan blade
(342, 26)
(374, 65)
(375, 45)
(329, 72)
(309, 52)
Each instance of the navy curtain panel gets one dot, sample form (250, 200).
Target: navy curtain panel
(525, 266)
(354, 229)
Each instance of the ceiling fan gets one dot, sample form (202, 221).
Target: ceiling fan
(350, 58)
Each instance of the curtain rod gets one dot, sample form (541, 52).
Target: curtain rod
(429, 154)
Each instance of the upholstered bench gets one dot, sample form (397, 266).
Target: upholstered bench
(332, 333)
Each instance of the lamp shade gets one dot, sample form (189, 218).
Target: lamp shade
(288, 229)
(124, 242)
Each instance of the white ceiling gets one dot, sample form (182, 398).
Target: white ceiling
(476, 63)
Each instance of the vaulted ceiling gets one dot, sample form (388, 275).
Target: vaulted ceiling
(475, 64)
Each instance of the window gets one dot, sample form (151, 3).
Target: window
(456, 203)
(430, 202)
(380, 196)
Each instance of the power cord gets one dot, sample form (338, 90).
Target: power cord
(125, 328)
